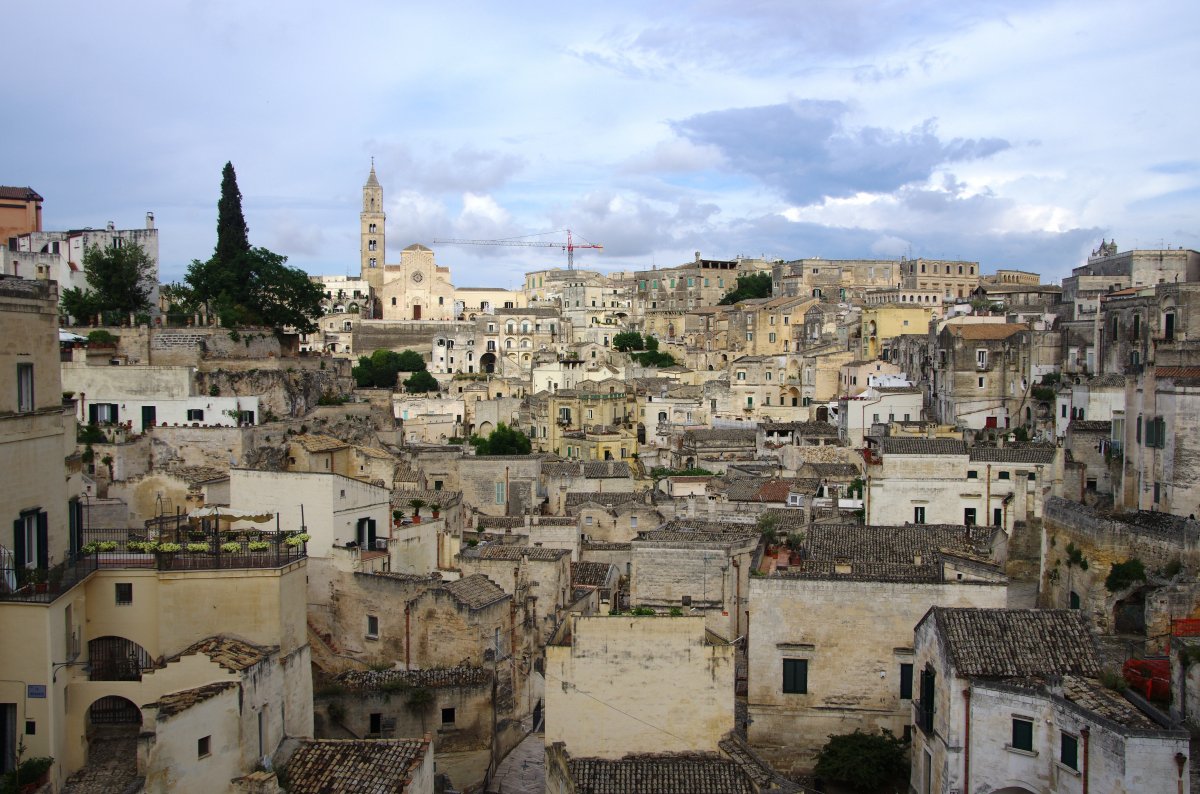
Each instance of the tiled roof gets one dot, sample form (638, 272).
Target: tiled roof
(1182, 373)
(1089, 694)
(475, 591)
(499, 522)
(589, 574)
(683, 530)
(231, 654)
(1013, 454)
(1108, 379)
(682, 773)
(606, 469)
(437, 678)
(495, 551)
(19, 193)
(375, 452)
(899, 545)
(1004, 643)
(316, 442)
(601, 545)
(835, 470)
(577, 498)
(175, 702)
(1090, 426)
(402, 496)
(800, 428)
(355, 766)
(720, 434)
(986, 331)
(922, 446)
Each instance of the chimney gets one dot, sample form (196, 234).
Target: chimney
(149, 220)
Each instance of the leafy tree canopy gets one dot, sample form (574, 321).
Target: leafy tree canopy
(504, 440)
(863, 761)
(756, 285)
(119, 278)
(627, 341)
(421, 381)
(247, 285)
(381, 368)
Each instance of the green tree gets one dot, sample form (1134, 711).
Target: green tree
(504, 440)
(382, 367)
(421, 382)
(247, 285)
(628, 340)
(756, 285)
(79, 305)
(863, 761)
(119, 280)
(233, 238)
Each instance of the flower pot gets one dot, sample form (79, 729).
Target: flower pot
(437, 513)
(416, 519)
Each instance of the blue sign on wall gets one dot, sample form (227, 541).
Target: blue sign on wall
(35, 690)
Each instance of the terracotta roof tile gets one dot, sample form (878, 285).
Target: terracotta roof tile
(1043, 455)
(355, 766)
(1006, 643)
(922, 446)
(437, 678)
(590, 574)
(495, 551)
(231, 654)
(176, 702)
(986, 331)
(475, 591)
(316, 442)
(681, 773)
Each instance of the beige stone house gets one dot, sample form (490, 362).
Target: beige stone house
(830, 640)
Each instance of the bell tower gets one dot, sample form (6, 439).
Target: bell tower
(372, 222)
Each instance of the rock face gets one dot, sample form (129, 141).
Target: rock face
(282, 393)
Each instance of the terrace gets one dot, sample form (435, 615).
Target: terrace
(169, 543)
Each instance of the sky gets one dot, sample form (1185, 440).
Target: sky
(1016, 133)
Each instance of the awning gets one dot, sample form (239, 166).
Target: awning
(229, 514)
(67, 336)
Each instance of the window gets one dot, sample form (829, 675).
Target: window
(203, 746)
(448, 716)
(969, 516)
(1069, 751)
(1004, 475)
(1074, 600)
(981, 383)
(195, 415)
(124, 593)
(373, 627)
(24, 387)
(906, 671)
(918, 515)
(587, 520)
(795, 676)
(981, 358)
(1064, 410)
(376, 723)
(972, 474)
(741, 375)
(499, 493)
(1022, 734)
(633, 522)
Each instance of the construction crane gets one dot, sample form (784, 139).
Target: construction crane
(569, 247)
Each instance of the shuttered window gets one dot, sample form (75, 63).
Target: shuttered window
(795, 676)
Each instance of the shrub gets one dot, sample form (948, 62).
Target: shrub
(863, 761)
(643, 611)
(101, 337)
(1123, 574)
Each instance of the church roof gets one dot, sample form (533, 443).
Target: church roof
(417, 247)
(371, 180)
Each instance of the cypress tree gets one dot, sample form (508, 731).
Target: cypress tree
(233, 238)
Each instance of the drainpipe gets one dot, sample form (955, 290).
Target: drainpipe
(966, 786)
(737, 608)
(987, 500)
(407, 637)
(1086, 733)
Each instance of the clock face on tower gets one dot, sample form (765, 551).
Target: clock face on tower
(417, 277)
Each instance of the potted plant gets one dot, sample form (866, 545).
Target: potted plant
(436, 508)
(231, 547)
(166, 552)
(416, 505)
(397, 516)
(141, 546)
(197, 548)
(258, 545)
(299, 539)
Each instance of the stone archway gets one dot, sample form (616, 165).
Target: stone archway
(822, 413)
(112, 726)
(487, 362)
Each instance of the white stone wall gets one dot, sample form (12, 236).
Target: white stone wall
(638, 684)
(854, 635)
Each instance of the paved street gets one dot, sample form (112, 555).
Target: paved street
(523, 771)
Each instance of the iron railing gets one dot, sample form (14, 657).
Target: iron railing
(200, 549)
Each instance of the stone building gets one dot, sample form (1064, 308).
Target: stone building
(404, 766)
(539, 578)
(615, 684)
(1009, 700)
(981, 374)
(20, 213)
(830, 641)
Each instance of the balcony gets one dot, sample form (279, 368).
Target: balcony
(164, 546)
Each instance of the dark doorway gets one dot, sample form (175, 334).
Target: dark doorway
(149, 417)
